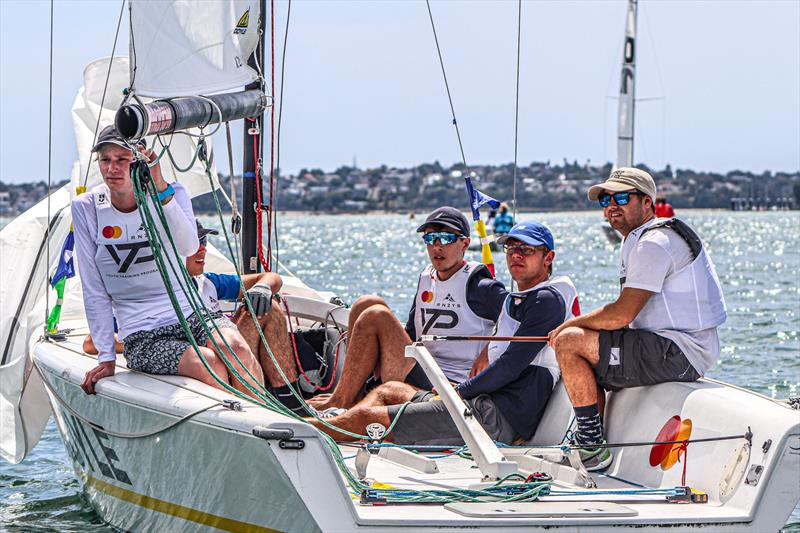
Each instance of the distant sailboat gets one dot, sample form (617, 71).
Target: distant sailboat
(627, 103)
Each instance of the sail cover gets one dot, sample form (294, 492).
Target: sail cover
(192, 47)
(86, 109)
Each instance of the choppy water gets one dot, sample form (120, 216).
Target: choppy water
(757, 257)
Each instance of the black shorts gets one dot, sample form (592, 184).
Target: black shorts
(635, 358)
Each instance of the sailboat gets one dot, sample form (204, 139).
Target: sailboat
(626, 104)
(168, 453)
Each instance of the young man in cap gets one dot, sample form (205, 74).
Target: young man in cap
(663, 325)
(119, 276)
(454, 297)
(509, 389)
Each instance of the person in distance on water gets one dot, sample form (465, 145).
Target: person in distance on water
(454, 297)
(120, 277)
(663, 208)
(503, 221)
(511, 383)
(662, 326)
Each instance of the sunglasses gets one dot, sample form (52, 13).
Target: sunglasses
(621, 198)
(524, 250)
(444, 237)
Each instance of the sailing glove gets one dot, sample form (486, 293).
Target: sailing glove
(261, 298)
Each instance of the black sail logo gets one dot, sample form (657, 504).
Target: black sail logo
(244, 22)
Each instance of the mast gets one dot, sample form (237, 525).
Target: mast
(251, 187)
(627, 91)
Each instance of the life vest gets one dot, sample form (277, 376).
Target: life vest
(441, 309)
(691, 298)
(128, 269)
(508, 326)
(503, 223)
(208, 291)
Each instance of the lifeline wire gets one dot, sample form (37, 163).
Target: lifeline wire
(278, 134)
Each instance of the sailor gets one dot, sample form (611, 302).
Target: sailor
(454, 297)
(503, 221)
(664, 208)
(120, 277)
(510, 386)
(663, 325)
(271, 321)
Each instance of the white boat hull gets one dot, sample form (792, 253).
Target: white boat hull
(211, 473)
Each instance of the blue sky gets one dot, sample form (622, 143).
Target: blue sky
(363, 81)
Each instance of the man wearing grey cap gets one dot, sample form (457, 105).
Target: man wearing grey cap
(454, 297)
(663, 325)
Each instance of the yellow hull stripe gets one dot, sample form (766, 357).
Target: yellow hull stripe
(173, 509)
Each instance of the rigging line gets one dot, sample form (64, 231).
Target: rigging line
(516, 121)
(278, 133)
(121, 434)
(235, 216)
(49, 171)
(270, 214)
(105, 86)
(446, 85)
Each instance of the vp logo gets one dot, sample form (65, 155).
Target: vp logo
(132, 250)
(438, 318)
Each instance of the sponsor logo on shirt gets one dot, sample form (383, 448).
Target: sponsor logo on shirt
(125, 255)
(438, 318)
(426, 296)
(112, 232)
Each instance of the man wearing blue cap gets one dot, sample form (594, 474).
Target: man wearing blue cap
(509, 387)
(454, 297)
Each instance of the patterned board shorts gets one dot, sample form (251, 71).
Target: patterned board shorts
(159, 350)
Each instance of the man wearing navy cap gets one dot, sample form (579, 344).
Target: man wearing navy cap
(454, 297)
(510, 384)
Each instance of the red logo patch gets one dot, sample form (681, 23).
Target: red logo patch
(426, 296)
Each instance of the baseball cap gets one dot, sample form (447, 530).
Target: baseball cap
(110, 135)
(202, 232)
(449, 217)
(530, 232)
(623, 179)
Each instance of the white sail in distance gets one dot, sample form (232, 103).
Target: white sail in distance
(192, 47)
(627, 91)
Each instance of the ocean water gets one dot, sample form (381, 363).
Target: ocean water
(757, 256)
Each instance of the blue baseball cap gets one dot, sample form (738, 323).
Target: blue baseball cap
(530, 232)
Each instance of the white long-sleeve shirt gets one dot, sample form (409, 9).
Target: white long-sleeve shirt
(118, 272)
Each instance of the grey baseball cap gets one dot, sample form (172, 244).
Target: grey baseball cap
(110, 135)
(449, 217)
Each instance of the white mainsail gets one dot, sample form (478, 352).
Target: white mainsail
(627, 91)
(182, 55)
(184, 48)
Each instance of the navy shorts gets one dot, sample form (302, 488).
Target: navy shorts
(635, 358)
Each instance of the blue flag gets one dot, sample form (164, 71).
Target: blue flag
(66, 267)
(479, 199)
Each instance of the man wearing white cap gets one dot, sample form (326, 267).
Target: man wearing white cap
(663, 325)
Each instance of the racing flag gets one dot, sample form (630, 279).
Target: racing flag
(64, 270)
(476, 200)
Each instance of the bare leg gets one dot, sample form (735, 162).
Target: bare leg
(240, 348)
(191, 366)
(377, 341)
(370, 409)
(362, 304)
(273, 325)
(578, 352)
